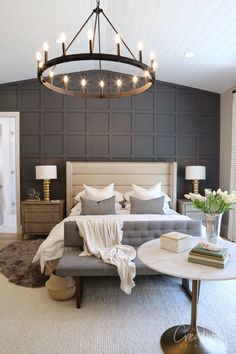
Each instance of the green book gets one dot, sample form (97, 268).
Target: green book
(209, 259)
(208, 263)
(200, 250)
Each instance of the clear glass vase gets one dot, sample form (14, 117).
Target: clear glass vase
(213, 224)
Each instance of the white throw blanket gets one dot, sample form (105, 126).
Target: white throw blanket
(102, 238)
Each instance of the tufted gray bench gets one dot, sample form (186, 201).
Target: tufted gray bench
(135, 233)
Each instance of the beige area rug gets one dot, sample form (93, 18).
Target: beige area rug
(109, 321)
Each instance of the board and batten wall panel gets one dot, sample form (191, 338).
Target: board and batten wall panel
(166, 123)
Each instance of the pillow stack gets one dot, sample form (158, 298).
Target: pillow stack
(147, 201)
(94, 201)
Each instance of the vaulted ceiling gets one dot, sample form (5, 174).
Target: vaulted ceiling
(168, 27)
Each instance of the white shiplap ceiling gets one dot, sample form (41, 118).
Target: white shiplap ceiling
(169, 27)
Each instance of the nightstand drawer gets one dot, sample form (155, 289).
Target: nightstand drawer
(38, 228)
(42, 217)
(41, 208)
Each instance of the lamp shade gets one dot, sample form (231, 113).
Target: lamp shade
(46, 172)
(195, 172)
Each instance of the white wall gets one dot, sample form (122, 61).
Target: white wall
(225, 145)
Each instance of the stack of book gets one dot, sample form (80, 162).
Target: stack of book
(204, 256)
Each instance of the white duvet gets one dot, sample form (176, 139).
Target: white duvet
(53, 246)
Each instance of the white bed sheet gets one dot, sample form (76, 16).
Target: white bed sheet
(52, 248)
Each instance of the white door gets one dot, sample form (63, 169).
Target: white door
(9, 173)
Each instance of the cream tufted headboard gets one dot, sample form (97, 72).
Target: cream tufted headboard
(123, 174)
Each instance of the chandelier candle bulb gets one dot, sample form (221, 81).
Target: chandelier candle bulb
(135, 80)
(90, 38)
(66, 80)
(51, 75)
(63, 48)
(83, 84)
(140, 51)
(152, 57)
(119, 84)
(118, 40)
(101, 84)
(146, 75)
(38, 57)
(45, 48)
(62, 40)
(154, 65)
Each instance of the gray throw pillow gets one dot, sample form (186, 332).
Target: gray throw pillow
(151, 206)
(104, 207)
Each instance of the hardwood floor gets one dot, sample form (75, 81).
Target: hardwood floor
(6, 239)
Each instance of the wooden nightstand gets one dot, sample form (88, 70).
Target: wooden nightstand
(39, 217)
(185, 207)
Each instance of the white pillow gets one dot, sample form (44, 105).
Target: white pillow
(143, 193)
(127, 195)
(118, 206)
(146, 194)
(76, 210)
(127, 206)
(119, 196)
(96, 194)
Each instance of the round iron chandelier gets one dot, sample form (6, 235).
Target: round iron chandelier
(109, 76)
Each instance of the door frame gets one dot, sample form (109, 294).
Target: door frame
(16, 116)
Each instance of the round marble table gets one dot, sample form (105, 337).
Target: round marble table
(189, 339)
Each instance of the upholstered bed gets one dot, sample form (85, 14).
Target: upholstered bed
(64, 241)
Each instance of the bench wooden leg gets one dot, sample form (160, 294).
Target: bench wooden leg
(78, 292)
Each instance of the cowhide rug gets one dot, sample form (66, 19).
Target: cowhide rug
(16, 264)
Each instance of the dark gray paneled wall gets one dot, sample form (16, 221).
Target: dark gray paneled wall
(167, 123)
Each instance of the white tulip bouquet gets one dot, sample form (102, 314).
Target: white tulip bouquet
(216, 202)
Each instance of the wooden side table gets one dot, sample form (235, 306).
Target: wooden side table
(39, 217)
(185, 207)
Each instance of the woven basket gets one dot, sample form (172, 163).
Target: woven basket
(60, 288)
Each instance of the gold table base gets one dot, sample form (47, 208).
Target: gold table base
(179, 340)
(191, 339)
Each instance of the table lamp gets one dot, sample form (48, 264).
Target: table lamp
(195, 173)
(46, 172)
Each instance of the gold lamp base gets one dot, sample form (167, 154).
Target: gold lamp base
(46, 190)
(195, 186)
